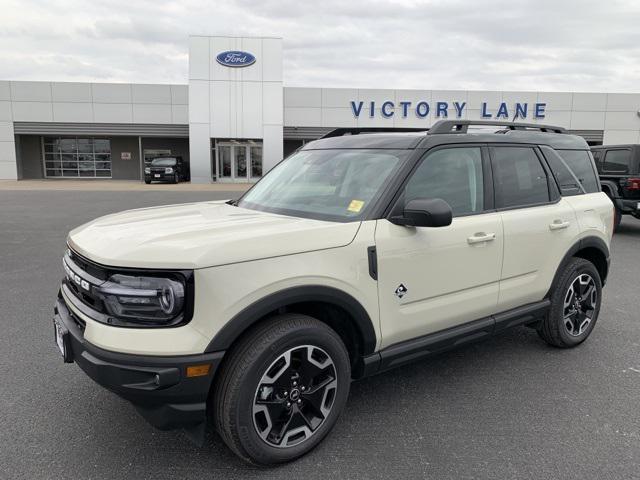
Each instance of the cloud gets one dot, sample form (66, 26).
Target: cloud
(573, 45)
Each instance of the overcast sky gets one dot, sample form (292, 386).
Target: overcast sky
(494, 45)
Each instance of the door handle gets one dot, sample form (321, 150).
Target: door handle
(481, 237)
(558, 225)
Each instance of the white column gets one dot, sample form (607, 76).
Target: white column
(199, 114)
(8, 165)
(234, 102)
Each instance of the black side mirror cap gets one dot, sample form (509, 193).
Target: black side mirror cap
(425, 212)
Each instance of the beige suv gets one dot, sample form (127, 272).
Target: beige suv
(362, 251)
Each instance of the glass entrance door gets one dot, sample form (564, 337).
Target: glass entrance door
(238, 162)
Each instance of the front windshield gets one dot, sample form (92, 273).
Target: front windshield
(338, 185)
(163, 162)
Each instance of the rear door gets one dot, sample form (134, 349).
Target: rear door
(539, 225)
(430, 279)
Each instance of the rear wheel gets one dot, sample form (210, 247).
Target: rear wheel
(282, 389)
(575, 305)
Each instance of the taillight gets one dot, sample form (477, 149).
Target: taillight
(632, 184)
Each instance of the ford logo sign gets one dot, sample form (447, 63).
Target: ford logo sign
(235, 58)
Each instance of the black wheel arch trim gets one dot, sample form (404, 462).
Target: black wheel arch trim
(587, 242)
(615, 193)
(235, 327)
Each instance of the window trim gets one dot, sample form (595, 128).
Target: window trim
(396, 206)
(552, 188)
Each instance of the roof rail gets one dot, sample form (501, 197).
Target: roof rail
(461, 126)
(339, 132)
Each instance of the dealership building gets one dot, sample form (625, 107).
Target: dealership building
(235, 119)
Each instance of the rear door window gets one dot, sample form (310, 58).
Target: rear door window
(519, 178)
(617, 161)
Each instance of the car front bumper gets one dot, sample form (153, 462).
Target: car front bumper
(157, 386)
(163, 177)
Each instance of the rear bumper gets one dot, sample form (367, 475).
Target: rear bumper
(629, 206)
(157, 386)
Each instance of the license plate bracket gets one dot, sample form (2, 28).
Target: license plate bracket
(61, 337)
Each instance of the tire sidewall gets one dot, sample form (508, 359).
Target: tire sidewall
(254, 445)
(617, 218)
(578, 267)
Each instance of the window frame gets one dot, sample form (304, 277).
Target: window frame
(552, 187)
(397, 203)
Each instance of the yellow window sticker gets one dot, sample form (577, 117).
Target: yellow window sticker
(355, 206)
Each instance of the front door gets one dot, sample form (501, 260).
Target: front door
(238, 162)
(430, 279)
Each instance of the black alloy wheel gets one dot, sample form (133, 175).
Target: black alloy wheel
(580, 304)
(295, 396)
(575, 304)
(281, 389)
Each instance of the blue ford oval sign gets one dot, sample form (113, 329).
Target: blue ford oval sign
(235, 58)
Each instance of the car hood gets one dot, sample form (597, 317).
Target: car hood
(204, 234)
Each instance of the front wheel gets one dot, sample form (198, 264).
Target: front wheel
(575, 305)
(282, 389)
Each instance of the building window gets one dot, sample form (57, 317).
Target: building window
(72, 157)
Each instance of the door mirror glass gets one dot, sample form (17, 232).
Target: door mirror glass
(426, 212)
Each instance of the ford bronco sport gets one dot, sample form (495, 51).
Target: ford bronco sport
(619, 170)
(362, 251)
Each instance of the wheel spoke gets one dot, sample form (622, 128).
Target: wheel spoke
(584, 325)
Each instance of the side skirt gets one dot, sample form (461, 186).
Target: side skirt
(438, 342)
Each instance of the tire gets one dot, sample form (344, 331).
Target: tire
(560, 327)
(176, 178)
(256, 376)
(147, 181)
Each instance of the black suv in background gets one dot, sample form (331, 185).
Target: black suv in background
(619, 170)
(166, 169)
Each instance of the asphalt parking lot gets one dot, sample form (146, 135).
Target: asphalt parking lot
(508, 408)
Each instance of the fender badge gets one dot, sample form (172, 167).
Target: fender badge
(401, 291)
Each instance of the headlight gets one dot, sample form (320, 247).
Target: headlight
(143, 299)
(147, 170)
(168, 170)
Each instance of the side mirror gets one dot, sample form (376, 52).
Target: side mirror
(425, 212)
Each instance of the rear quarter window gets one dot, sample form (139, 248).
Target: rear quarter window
(582, 166)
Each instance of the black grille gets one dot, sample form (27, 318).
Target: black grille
(89, 272)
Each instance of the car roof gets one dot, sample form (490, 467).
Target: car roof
(448, 132)
(389, 140)
(604, 147)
